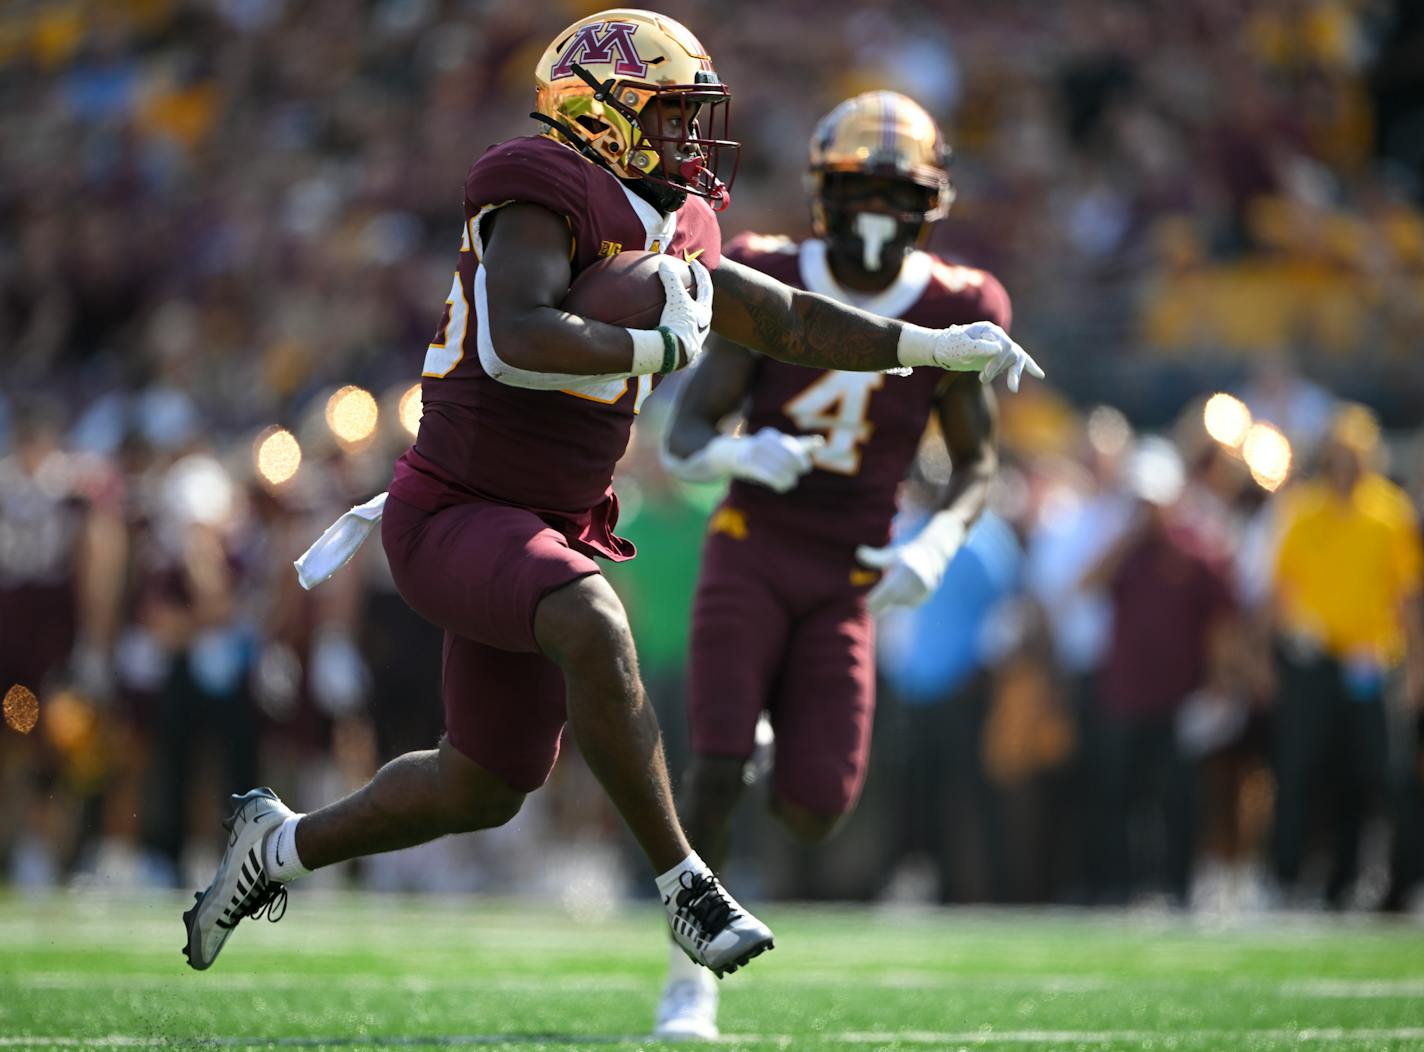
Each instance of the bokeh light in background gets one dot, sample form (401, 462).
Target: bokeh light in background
(198, 490)
(410, 409)
(1108, 431)
(1268, 455)
(351, 413)
(21, 708)
(277, 455)
(1226, 419)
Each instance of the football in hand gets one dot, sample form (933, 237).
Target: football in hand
(624, 289)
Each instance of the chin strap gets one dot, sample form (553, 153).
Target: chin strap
(574, 141)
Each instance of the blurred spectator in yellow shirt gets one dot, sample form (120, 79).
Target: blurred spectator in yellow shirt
(1348, 575)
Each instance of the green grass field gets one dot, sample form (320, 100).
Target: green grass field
(78, 971)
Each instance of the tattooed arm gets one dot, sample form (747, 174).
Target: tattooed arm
(805, 329)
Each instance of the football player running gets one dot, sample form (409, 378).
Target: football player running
(497, 512)
(796, 562)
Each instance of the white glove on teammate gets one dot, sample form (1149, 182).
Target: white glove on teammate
(769, 457)
(913, 570)
(980, 347)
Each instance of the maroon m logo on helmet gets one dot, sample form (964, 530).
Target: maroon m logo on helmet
(596, 42)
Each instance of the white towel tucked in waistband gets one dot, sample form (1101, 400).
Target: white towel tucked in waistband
(334, 548)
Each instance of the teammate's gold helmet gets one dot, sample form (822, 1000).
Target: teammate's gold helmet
(599, 74)
(880, 133)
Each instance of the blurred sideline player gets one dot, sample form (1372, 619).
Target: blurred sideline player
(62, 550)
(796, 561)
(497, 512)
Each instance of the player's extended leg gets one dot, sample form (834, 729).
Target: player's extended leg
(584, 629)
(739, 626)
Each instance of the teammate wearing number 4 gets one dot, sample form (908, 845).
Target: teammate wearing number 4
(498, 511)
(796, 560)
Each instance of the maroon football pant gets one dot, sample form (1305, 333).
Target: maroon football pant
(479, 570)
(779, 625)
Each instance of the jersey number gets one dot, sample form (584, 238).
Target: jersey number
(448, 347)
(837, 406)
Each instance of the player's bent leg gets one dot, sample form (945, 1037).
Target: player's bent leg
(415, 798)
(824, 712)
(241, 887)
(584, 629)
(711, 788)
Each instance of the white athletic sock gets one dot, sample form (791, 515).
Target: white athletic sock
(671, 881)
(279, 852)
(681, 966)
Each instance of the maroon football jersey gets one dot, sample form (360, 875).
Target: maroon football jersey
(872, 422)
(552, 451)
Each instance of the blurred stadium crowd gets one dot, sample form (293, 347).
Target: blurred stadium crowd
(1169, 661)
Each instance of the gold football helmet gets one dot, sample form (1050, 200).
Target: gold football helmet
(880, 133)
(596, 78)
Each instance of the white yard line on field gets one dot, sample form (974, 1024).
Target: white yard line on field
(1304, 988)
(1325, 1035)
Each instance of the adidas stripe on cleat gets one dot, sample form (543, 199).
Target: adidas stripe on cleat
(711, 927)
(240, 887)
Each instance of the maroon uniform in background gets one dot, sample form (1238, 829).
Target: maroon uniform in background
(507, 493)
(779, 621)
(42, 518)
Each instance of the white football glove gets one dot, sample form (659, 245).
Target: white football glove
(913, 570)
(769, 457)
(980, 347)
(687, 318)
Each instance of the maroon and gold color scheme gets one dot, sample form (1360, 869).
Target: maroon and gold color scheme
(879, 133)
(596, 78)
(873, 422)
(507, 493)
(779, 621)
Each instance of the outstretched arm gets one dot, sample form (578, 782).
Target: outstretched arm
(766, 315)
(806, 329)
